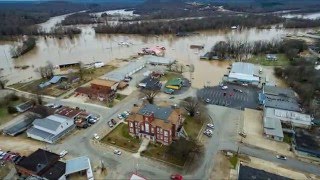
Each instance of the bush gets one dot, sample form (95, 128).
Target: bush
(12, 110)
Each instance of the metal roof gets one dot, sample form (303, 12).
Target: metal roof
(120, 73)
(273, 90)
(51, 122)
(158, 60)
(244, 72)
(56, 79)
(40, 133)
(288, 116)
(272, 126)
(77, 164)
(281, 102)
(162, 113)
(249, 173)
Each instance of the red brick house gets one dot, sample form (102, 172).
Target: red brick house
(159, 124)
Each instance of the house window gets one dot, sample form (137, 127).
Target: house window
(165, 133)
(147, 127)
(131, 124)
(142, 127)
(158, 130)
(165, 139)
(131, 130)
(152, 130)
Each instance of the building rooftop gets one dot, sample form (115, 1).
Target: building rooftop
(39, 160)
(247, 173)
(290, 116)
(121, 73)
(77, 164)
(244, 71)
(174, 82)
(308, 141)
(152, 83)
(158, 60)
(272, 126)
(68, 112)
(280, 102)
(55, 171)
(56, 79)
(103, 82)
(162, 113)
(51, 123)
(278, 91)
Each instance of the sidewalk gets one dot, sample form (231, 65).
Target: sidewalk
(143, 146)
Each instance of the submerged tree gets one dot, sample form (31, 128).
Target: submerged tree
(150, 94)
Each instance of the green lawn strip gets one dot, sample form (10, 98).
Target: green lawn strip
(192, 126)
(159, 152)
(120, 137)
(170, 75)
(120, 97)
(261, 59)
(287, 138)
(234, 160)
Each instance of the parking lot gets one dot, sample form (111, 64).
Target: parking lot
(235, 96)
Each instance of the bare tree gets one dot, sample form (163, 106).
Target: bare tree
(150, 94)
(2, 80)
(81, 70)
(191, 105)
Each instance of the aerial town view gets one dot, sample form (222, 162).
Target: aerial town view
(159, 89)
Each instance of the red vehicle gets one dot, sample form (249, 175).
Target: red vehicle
(176, 177)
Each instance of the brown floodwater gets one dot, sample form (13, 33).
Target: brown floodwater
(89, 47)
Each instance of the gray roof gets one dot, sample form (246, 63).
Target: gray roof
(51, 122)
(77, 164)
(40, 133)
(120, 73)
(273, 90)
(19, 127)
(162, 113)
(288, 116)
(281, 102)
(243, 68)
(272, 126)
(56, 79)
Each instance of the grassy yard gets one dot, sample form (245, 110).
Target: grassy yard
(287, 138)
(121, 138)
(53, 90)
(4, 170)
(170, 75)
(159, 151)
(234, 160)
(4, 115)
(192, 126)
(261, 59)
(120, 97)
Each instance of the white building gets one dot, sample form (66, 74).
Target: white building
(125, 71)
(51, 128)
(295, 118)
(244, 73)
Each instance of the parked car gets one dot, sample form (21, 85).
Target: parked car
(126, 113)
(63, 153)
(238, 90)
(176, 177)
(281, 157)
(117, 152)
(207, 132)
(95, 136)
(244, 84)
(110, 124)
(210, 126)
(120, 116)
(92, 121)
(224, 87)
(207, 100)
(114, 122)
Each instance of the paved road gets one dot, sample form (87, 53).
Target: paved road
(289, 163)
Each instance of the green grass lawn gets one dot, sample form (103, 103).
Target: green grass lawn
(120, 97)
(121, 138)
(234, 160)
(159, 151)
(192, 126)
(261, 59)
(287, 138)
(170, 75)
(4, 115)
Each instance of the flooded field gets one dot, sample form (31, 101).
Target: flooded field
(89, 47)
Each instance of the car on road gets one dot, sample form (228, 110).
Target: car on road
(224, 87)
(281, 157)
(207, 132)
(176, 177)
(63, 153)
(95, 136)
(210, 126)
(92, 121)
(117, 152)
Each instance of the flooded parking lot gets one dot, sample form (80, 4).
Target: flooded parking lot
(235, 96)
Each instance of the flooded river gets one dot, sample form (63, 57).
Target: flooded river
(89, 47)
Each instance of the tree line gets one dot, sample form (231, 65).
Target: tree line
(301, 23)
(241, 49)
(22, 49)
(174, 26)
(79, 18)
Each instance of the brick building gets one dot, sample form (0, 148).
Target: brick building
(159, 124)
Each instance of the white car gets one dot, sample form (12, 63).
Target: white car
(281, 157)
(244, 84)
(63, 153)
(95, 136)
(120, 116)
(207, 100)
(207, 133)
(117, 152)
(126, 113)
(209, 130)
(224, 87)
(210, 126)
